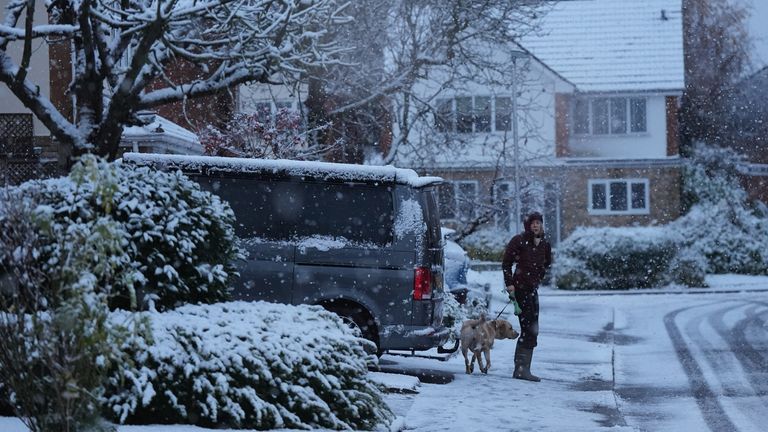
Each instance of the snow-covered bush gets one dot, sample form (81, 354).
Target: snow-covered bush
(615, 258)
(56, 346)
(247, 365)
(179, 239)
(732, 238)
(487, 243)
(722, 225)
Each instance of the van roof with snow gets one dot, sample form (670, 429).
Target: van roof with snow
(282, 167)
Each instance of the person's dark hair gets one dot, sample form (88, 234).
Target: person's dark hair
(532, 217)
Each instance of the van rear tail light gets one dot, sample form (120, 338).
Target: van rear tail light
(422, 283)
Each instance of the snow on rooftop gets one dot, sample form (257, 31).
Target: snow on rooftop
(613, 45)
(325, 170)
(162, 135)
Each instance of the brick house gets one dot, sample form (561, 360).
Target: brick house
(596, 98)
(27, 148)
(747, 130)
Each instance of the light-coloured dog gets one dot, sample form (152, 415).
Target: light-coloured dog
(478, 336)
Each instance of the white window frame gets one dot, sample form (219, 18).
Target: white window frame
(458, 214)
(629, 211)
(590, 116)
(453, 120)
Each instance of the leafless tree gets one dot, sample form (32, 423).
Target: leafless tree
(397, 46)
(121, 49)
(716, 48)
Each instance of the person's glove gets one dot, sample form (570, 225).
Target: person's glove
(511, 293)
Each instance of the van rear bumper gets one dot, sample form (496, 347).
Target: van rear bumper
(418, 338)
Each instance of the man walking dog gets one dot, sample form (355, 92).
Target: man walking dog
(533, 256)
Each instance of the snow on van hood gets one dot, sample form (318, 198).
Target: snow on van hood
(325, 170)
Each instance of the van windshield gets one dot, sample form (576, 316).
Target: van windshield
(293, 210)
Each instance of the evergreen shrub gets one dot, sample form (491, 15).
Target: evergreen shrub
(615, 258)
(178, 239)
(250, 365)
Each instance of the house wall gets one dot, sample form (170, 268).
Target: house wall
(429, 148)
(38, 72)
(651, 144)
(664, 202)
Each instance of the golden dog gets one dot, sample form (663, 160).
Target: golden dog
(478, 336)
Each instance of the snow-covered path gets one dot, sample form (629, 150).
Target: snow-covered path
(661, 360)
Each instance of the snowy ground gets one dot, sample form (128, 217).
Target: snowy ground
(659, 360)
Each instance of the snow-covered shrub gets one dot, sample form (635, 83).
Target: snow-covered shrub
(614, 258)
(711, 175)
(487, 243)
(722, 225)
(179, 239)
(732, 238)
(247, 365)
(56, 346)
(688, 268)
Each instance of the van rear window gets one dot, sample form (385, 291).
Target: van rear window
(290, 210)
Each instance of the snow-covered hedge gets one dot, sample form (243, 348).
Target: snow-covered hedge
(247, 365)
(178, 238)
(614, 258)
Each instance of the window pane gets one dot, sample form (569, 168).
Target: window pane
(503, 114)
(618, 115)
(446, 201)
(598, 196)
(600, 116)
(581, 116)
(618, 196)
(466, 196)
(263, 111)
(638, 117)
(638, 196)
(350, 211)
(444, 115)
(464, 114)
(482, 114)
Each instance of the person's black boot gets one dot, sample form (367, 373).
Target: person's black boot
(523, 357)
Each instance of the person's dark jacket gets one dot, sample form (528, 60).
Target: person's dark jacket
(532, 261)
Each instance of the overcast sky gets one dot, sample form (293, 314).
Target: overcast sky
(758, 27)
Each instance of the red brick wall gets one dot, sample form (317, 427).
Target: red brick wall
(664, 184)
(673, 128)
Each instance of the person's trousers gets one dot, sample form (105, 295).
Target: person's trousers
(528, 300)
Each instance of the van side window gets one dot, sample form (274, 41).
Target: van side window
(286, 210)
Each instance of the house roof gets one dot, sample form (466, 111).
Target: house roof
(613, 45)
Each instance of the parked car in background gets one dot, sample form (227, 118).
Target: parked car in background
(362, 241)
(457, 265)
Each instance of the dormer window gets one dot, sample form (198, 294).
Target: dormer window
(609, 116)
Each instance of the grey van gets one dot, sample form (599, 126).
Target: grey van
(362, 241)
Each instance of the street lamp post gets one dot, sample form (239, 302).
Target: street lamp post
(515, 137)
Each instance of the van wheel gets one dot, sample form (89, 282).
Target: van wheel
(358, 318)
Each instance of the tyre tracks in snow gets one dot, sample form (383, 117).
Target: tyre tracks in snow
(739, 353)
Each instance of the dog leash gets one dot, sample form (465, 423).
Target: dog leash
(502, 309)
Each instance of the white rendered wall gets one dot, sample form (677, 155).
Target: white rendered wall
(650, 144)
(39, 70)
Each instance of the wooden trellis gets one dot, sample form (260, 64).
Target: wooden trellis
(18, 160)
